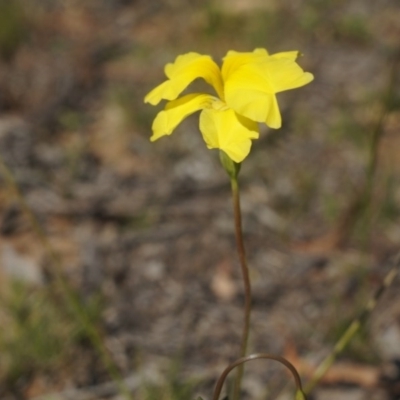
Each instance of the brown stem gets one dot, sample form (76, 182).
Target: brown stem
(239, 363)
(246, 282)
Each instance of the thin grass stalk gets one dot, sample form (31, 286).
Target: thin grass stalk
(354, 327)
(363, 204)
(376, 136)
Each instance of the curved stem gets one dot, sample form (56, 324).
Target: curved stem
(246, 281)
(241, 361)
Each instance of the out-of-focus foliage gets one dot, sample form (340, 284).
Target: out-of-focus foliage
(13, 27)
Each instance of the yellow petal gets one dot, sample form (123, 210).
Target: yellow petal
(249, 93)
(285, 74)
(184, 71)
(256, 105)
(177, 110)
(228, 131)
(274, 119)
(292, 55)
(233, 60)
(250, 89)
(168, 90)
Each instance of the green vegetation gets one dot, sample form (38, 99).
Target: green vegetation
(41, 333)
(13, 27)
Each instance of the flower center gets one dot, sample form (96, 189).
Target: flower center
(218, 105)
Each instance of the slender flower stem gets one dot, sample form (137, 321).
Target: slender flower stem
(246, 281)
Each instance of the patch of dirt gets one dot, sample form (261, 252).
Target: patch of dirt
(149, 226)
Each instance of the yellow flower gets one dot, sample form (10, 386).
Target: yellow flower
(246, 88)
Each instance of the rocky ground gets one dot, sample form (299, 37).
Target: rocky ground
(144, 231)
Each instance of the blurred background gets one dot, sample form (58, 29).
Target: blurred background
(102, 231)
